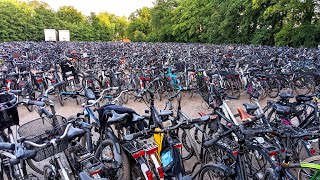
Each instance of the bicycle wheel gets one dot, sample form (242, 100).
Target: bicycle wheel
(301, 150)
(308, 173)
(214, 172)
(92, 83)
(105, 154)
(274, 87)
(257, 161)
(125, 98)
(48, 173)
(60, 98)
(235, 88)
(36, 166)
(186, 150)
(303, 85)
(221, 152)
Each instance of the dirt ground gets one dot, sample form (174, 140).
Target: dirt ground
(190, 106)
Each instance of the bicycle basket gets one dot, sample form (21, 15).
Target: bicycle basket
(132, 147)
(10, 116)
(42, 130)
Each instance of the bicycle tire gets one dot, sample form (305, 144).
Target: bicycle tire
(95, 84)
(60, 98)
(273, 87)
(313, 159)
(303, 85)
(48, 173)
(186, 151)
(216, 171)
(34, 167)
(125, 174)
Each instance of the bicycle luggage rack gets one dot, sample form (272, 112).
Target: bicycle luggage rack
(138, 148)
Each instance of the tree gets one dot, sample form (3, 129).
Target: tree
(70, 15)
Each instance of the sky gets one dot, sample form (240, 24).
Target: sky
(118, 7)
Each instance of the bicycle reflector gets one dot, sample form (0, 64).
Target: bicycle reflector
(149, 175)
(96, 172)
(274, 153)
(39, 80)
(138, 154)
(161, 172)
(53, 80)
(177, 146)
(152, 151)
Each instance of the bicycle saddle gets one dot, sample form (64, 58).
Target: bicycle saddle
(6, 146)
(85, 176)
(201, 119)
(250, 107)
(88, 93)
(88, 72)
(186, 178)
(136, 117)
(165, 113)
(285, 95)
(282, 110)
(117, 73)
(24, 73)
(243, 114)
(116, 118)
(253, 69)
(75, 132)
(13, 74)
(303, 98)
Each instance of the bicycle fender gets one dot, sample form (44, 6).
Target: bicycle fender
(116, 147)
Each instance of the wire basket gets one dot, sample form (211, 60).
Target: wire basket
(43, 130)
(132, 147)
(8, 117)
(147, 145)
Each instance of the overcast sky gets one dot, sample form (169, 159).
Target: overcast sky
(118, 7)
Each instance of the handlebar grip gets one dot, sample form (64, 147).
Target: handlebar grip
(255, 131)
(133, 136)
(37, 103)
(212, 141)
(15, 91)
(58, 84)
(133, 89)
(46, 112)
(114, 88)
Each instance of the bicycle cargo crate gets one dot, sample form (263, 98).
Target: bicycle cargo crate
(43, 130)
(10, 116)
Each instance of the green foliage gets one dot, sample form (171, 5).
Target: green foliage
(266, 22)
(21, 21)
(139, 25)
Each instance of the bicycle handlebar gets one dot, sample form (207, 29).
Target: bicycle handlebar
(51, 141)
(133, 136)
